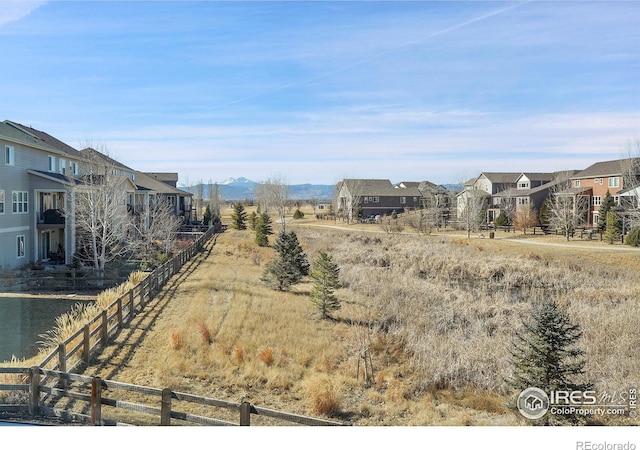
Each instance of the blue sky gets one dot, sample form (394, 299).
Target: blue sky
(319, 91)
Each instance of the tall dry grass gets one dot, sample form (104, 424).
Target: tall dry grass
(434, 317)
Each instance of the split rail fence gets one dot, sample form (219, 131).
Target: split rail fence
(88, 395)
(53, 380)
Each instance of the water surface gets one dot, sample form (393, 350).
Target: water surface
(23, 320)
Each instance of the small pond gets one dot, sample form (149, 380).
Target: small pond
(23, 320)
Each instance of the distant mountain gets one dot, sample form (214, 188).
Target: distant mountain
(243, 189)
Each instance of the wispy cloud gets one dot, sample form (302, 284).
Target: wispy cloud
(13, 11)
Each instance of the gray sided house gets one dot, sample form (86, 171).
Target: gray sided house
(365, 198)
(35, 173)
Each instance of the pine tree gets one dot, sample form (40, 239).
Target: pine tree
(263, 229)
(545, 355)
(607, 204)
(239, 217)
(326, 276)
(253, 220)
(502, 220)
(206, 218)
(612, 233)
(289, 266)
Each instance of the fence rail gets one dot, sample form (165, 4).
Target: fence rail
(92, 393)
(79, 347)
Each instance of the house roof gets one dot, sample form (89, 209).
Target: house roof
(538, 176)
(607, 168)
(166, 177)
(146, 182)
(376, 187)
(45, 138)
(501, 177)
(91, 153)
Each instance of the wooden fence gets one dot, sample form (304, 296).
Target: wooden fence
(52, 378)
(89, 395)
(95, 333)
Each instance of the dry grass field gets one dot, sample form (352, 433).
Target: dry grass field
(422, 337)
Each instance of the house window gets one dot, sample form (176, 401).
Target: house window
(20, 201)
(523, 185)
(366, 200)
(595, 200)
(1, 202)
(20, 246)
(63, 166)
(523, 200)
(9, 155)
(614, 182)
(596, 219)
(616, 200)
(576, 183)
(74, 168)
(403, 200)
(52, 163)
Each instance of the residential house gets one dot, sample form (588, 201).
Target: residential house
(486, 186)
(596, 180)
(35, 176)
(531, 190)
(365, 198)
(37, 173)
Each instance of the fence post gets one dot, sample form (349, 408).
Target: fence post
(245, 414)
(86, 351)
(119, 312)
(96, 401)
(165, 409)
(104, 327)
(34, 390)
(62, 364)
(131, 310)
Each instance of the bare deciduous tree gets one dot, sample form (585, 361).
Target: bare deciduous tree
(526, 216)
(100, 213)
(349, 200)
(160, 235)
(631, 181)
(215, 200)
(472, 212)
(567, 209)
(273, 194)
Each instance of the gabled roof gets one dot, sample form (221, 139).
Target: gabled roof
(376, 188)
(501, 177)
(170, 178)
(537, 176)
(93, 154)
(38, 136)
(146, 182)
(607, 168)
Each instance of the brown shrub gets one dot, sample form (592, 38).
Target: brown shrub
(204, 333)
(176, 341)
(324, 397)
(237, 356)
(266, 355)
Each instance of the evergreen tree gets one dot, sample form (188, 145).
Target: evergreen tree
(544, 216)
(263, 229)
(607, 205)
(633, 237)
(612, 233)
(239, 217)
(289, 266)
(502, 220)
(545, 355)
(326, 276)
(206, 218)
(253, 220)
(298, 214)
